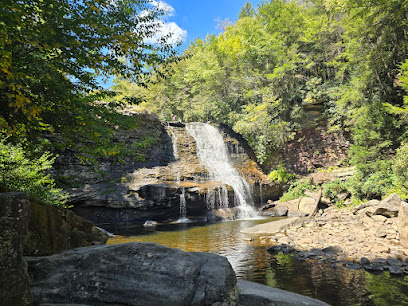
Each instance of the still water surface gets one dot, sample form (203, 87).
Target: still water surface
(252, 262)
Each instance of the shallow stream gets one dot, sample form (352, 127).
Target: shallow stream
(251, 261)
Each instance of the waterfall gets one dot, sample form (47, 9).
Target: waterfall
(213, 153)
(174, 140)
(183, 207)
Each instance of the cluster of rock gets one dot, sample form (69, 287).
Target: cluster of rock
(372, 235)
(123, 274)
(304, 206)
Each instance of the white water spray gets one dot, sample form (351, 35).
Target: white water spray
(213, 153)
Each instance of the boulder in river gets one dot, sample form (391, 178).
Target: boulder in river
(132, 274)
(147, 274)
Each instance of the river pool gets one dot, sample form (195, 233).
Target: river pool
(251, 261)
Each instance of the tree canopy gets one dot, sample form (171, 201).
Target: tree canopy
(258, 75)
(53, 51)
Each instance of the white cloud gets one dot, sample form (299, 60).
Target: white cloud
(165, 29)
(163, 6)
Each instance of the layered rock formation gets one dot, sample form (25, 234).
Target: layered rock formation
(153, 189)
(53, 229)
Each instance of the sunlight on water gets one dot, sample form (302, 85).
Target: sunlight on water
(252, 262)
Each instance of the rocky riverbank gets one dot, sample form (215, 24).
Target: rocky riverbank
(123, 274)
(370, 236)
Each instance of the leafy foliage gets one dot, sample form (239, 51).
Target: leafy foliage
(281, 175)
(297, 189)
(261, 72)
(400, 168)
(51, 53)
(332, 189)
(20, 172)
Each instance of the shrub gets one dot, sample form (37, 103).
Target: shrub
(400, 168)
(21, 173)
(297, 189)
(332, 189)
(372, 180)
(281, 175)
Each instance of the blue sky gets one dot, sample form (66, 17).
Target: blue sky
(190, 19)
(199, 18)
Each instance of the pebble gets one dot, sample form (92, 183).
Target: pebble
(396, 270)
(364, 261)
(393, 262)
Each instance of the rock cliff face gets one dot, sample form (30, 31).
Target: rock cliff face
(153, 190)
(52, 230)
(313, 148)
(14, 281)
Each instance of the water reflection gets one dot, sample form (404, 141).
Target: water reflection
(252, 262)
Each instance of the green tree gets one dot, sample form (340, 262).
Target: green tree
(20, 172)
(246, 11)
(52, 51)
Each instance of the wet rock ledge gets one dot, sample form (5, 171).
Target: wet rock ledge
(373, 236)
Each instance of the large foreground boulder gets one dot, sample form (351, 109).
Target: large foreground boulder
(14, 281)
(53, 229)
(132, 274)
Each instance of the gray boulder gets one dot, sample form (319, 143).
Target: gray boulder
(389, 207)
(251, 294)
(14, 281)
(366, 208)
(402, 223)
(132, 274)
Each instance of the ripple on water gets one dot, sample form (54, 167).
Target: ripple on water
(252, 262)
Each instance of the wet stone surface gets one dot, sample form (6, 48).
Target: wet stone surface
(366, 236)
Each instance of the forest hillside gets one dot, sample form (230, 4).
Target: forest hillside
(286, 66)
(280, 68)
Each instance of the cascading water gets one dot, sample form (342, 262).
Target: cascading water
(183, 204)
(183, 207)
(174, 140)
(213, 153)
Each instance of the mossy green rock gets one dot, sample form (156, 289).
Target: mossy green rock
(54, 229)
